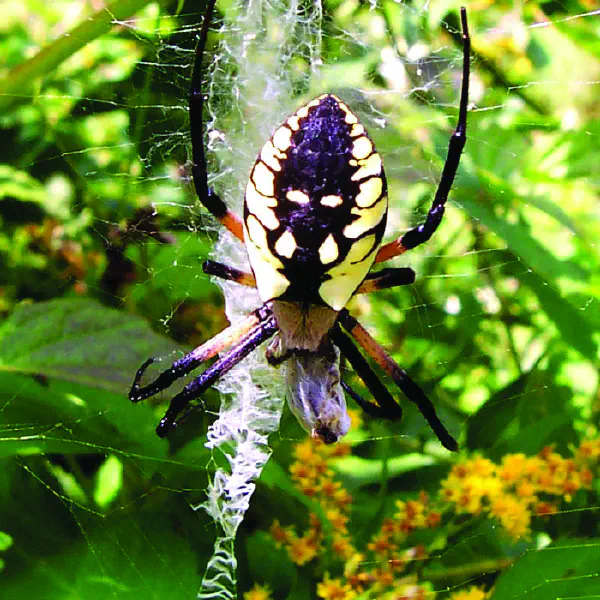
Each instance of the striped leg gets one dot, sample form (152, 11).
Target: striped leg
(196, 357)
(210, 267)
(193, 390)
(410, 389)
(386, 278)
(384, 407)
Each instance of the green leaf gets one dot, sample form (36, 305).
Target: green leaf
(109, 481)
(66, 366)
(125, 555)
(567, 569)
(16, 83)
(574, 327)
(521, 243)
(490, 422)
(6, 541)
(364, 471)
(20, 185)
(78, 341)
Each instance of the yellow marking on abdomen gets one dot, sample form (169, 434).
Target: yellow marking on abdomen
(286, 244)
(370, 191)
(362, 147)
(282, 138)
(367, 219)
(332, 201)
(351, 118)
(269, 281)
(349, 274)
(294, 122)
(369, 166)
(302, 113)
(263, 179)
(271, 156)
(261, 207)
(297, 196)
(328, 251)
(357, 129)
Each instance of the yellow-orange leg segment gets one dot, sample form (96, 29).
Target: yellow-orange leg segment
(410, 389)
(234, 224)
(222, 341)
(210, 267)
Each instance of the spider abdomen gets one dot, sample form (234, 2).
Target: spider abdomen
(315, 207)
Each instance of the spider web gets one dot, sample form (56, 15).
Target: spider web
(266, 58)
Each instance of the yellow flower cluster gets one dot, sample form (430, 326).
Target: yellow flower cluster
(313, 476)
(472, 593)
(514, 491)
(258, 592)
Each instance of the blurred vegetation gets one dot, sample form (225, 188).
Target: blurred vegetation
(101, 247)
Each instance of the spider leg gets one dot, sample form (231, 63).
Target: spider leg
(274, 354)
(386, 278)
(410, 389)
(210, 267)
(193, 390)
(196, 357)
(384, 407)
(207, 195)
(423, 232)
(369, 407)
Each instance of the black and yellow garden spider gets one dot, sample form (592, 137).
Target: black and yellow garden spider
(315, 212)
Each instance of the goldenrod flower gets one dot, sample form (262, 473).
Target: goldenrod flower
(473, 593)
(334, 589)
(303, 549)
(258, 592)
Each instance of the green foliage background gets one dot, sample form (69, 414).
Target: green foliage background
(502, 322)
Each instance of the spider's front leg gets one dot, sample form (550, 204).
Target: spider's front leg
(410, 389)
(193, 390)
(385, 279)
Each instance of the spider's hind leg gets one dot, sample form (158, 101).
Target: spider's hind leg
(209, 198)
(423, 232)
(372, 409)
(384, 407)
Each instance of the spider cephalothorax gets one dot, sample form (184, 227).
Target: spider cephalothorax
(315, 212)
